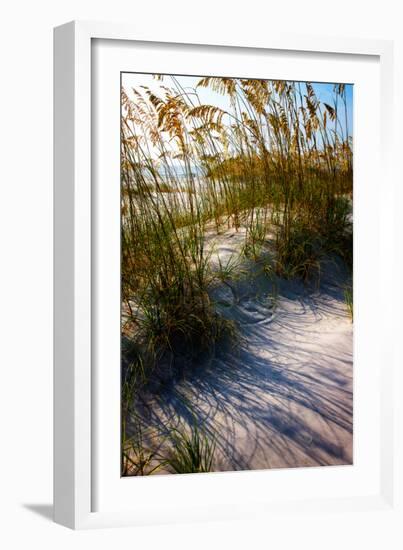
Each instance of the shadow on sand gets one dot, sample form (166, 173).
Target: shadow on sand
(281, 397)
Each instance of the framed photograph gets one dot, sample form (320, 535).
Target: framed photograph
(222, 338)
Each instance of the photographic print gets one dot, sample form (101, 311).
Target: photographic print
(236, 274)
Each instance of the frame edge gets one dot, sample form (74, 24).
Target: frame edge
(72, 373)
(63, 227)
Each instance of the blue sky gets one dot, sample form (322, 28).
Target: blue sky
(324, 92)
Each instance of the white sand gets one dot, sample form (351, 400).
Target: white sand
(284, 396)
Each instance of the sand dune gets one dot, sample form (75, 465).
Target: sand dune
(283, 396)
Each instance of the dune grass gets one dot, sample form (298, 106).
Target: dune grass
(177, 449)
(191, 452)
(348, 296)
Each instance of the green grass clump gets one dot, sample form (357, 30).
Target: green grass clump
(348, 297)
(178, 449)
(191, 452)
(298, 253)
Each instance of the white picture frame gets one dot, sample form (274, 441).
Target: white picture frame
(75, 394)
